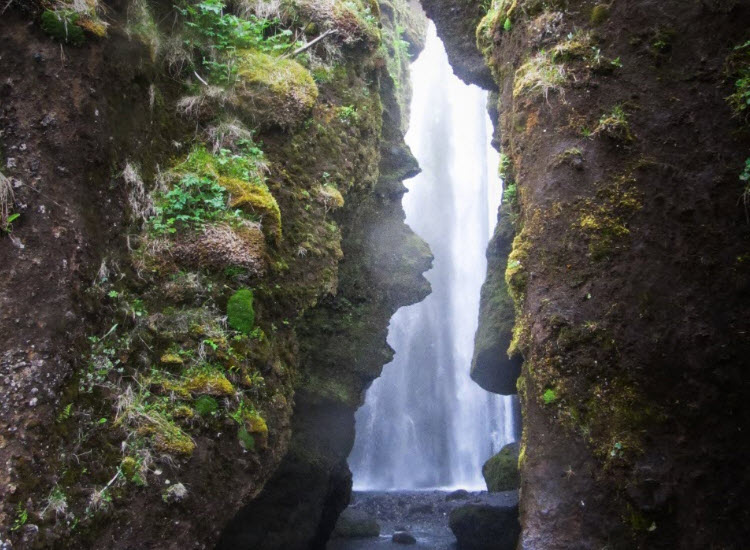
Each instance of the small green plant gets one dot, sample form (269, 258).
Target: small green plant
(65, 413)
(549, 396)
(510, 195)
(240, 312)
(217, 36)
(193, 201)
(22, 516)
(508, 25)
(615, 125)
(348, 114)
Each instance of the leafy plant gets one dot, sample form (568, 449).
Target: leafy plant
(194, 201)
(740, 99)
(22, 516)
(217, 36)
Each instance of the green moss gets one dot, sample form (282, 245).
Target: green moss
(501, 471)
(516, 275)
(255, 199)
(61, 25)
(549, 396)
(274, 89)
(205, 405)
(240, 312)
(129, 467)
(208, 383)
(171, 359)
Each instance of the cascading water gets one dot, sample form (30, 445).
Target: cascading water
(425, 423)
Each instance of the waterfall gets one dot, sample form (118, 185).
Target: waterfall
(425, 423)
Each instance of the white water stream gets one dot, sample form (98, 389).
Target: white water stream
(425, 423)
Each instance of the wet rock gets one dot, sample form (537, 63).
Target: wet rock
(354, 523)
(485, 527)
(501, 471)
(403, 537)
(459, 494)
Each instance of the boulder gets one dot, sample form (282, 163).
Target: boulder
(501, 471)
(353, 523)
(403, 537)
(458, 494)
(486, 527)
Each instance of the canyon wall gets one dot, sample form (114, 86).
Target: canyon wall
(202, 247)
(622, 281)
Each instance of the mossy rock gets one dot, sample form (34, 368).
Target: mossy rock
(240, 312)
(273, 90)
(255, 199)
(501, 471)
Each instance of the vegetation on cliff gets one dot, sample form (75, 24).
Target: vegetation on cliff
(267, 120)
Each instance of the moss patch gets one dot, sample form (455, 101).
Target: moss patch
(240, 312)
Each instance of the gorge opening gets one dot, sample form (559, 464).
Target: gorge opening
(425, 423)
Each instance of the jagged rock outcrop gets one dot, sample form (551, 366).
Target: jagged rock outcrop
(457, 23)
(628, 269)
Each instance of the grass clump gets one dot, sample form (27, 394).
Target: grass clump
(240, 312)
(615, 125)
(539, 76)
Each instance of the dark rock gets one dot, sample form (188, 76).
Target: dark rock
(459, 494)
(484, 527)
(491, 367)
(501, 471)
(354, 523)
(403, 537)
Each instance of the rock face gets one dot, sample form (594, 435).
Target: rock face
(501, 471)
(457, 28)
(492, 367)
(627, 273)
(485, 527)
(138, 405)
